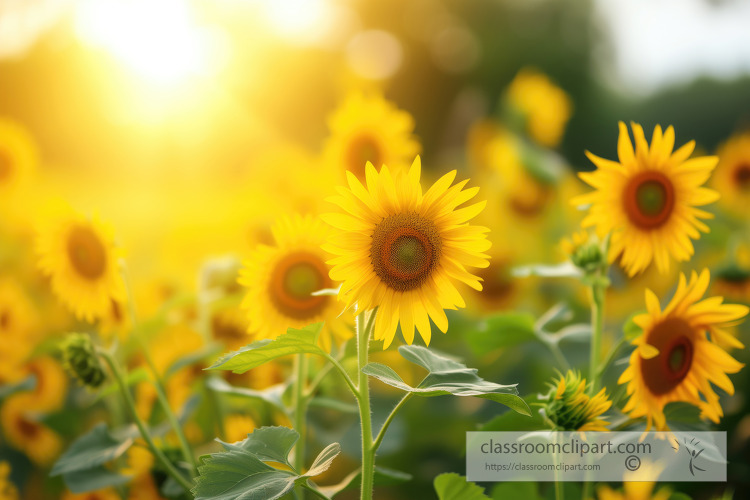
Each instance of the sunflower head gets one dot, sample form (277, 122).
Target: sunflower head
(677, 358)
(400, 250)
(82, 361)
(367, 128)
(570, 408)
(281, 282)
(79, 256)
(544, 106)
(732, 177)
(647, 201)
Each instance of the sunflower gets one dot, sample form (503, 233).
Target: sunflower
(545, 107)
(280, 281)
(401, 250)
(18, 157)
(677, 355)
(569, 408)
(732, 176)
(8, 490)
(369, 129)
(647, 201)
(17, 328)
(79, 256)
(24, 431)
(51, 383)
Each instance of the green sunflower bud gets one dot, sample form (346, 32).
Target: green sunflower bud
(569, 408)
(584, 251)
(81, 360)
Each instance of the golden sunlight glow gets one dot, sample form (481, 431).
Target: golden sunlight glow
(159, 42)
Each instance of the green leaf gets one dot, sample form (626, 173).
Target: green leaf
(83, 481)
(271, 395)
(241, 472)
(333, 404)
(293, 342)
(451, 486)
(564, 270)
(500, 331)
(383, 477)
(91, 450)
(527, 491)
(269, 444)
(446, 376)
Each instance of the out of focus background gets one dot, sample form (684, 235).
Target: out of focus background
(190, 125)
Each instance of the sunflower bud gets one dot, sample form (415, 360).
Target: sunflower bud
(81, 360)
(584, 251)
(569, 408)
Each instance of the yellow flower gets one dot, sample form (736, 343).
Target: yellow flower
(733, 279)
(24, 431)
(544, 105)
(400, 250)
(369, 129)
(79, 256)
(105, 494)
(647, 200)
(51, 383)
(18, 158)
(571, 409)
(8, 490)
(675, 359)
(280, 280)
(17, 326)
(732, 176)
(237, 427)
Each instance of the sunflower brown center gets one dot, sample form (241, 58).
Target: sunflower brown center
(741, 175)
(293, 281)
(649, 199)
(673, 338)
(361, 150)
(5, 165)
(86, 253)
(405, 249)
(28, 428)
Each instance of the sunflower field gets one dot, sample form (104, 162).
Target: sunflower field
(262, 249)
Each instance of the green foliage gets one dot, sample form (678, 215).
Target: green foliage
(293, 342)
(524, 490)
(82, 464)
(446, 376)
(451, 486)
(630, 329)
(271, 395)
(243, 472)
(501, 331)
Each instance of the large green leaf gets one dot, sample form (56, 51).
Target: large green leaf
(293, 342)
(241, 472)
(447, 376)
(500, 331)
(383, 477)
(93, 449)
(451, 486)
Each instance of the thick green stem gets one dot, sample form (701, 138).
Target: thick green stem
(363, 399)
(130, 403)
(187, 451)
(300, 411)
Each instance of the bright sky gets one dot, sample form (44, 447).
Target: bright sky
(660, 43)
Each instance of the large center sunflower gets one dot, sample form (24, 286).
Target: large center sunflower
(400, 250)
(647, 201)
(281, 279)
(80, 257)
(677, 355)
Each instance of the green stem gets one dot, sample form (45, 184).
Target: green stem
(363, 399)
(384, 428)
(343, 373)
(120, 378)
(187, 451)
(300, 411)
(597, 329)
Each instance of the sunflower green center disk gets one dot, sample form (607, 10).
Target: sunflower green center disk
(301, 280)
(651, 196)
